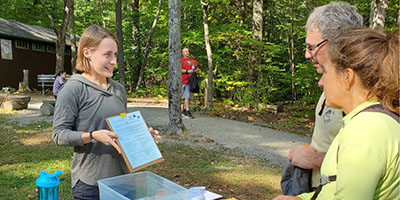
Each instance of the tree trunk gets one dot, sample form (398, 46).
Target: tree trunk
(378, 14)
(148, 43)
(24, 85)
(136, 44)
(398, 19)
(120, 60)
(291, 53)
(175, 125)
(256, 53)
(60, 42)
(73, 39)
(241, 5)
(100, 2)
(184, 12)
(258, 26)
(209, 96)
(206, 104)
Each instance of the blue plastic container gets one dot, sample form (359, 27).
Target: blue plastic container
(47, 185)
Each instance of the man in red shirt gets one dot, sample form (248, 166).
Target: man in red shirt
(188, 66)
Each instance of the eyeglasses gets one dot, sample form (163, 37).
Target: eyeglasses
(311, 48)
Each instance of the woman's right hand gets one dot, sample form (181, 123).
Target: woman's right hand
(106, 137)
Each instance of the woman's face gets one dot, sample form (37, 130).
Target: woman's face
(103, 58)
(334, 85)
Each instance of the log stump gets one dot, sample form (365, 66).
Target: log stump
(47, 108)
(14, 102)
(24, 85)
(12, 97)
(280, 107)
(14, 105)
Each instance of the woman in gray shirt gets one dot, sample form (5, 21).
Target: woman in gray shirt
(82, 106)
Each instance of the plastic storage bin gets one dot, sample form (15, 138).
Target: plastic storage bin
(140, 186)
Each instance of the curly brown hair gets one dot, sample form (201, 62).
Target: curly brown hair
(374, 57)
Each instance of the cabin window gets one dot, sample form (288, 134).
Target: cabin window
(37, 47)
(20, 44)
(51, 49)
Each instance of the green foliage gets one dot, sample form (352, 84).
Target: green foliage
(158, 91)
(230, 26)
(306, 82)
(30, 12)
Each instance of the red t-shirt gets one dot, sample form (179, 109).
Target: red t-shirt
(187, 64)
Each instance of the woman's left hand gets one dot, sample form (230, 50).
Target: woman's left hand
(155, 134)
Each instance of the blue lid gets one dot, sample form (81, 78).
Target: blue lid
(48, 180)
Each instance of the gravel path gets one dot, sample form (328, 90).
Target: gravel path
(251, 140)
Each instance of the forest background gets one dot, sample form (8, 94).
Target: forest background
(253, 65)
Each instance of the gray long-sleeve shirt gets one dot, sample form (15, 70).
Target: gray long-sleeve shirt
(82, 106)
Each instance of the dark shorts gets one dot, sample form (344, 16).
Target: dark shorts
(83, 191)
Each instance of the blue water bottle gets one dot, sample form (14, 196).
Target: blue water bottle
(47, 185)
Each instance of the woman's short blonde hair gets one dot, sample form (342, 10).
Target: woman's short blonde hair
(90, 39)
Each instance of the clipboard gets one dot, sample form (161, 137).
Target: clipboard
(135, 141)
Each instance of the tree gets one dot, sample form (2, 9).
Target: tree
(136, 47)
(242, 8)
(121, 64)
(148, 43)
(73, 39)
(291, 49)
(100, 3)
(60, 42)
(204, 7)
(398, 19)
(175, 125)
(378, 14)
(26, 11)
(257, 32)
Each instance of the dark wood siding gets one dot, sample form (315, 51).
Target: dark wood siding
(36, 62)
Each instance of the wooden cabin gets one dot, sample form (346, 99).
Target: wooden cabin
(30, 47)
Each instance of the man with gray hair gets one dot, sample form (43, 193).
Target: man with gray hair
(322, 26)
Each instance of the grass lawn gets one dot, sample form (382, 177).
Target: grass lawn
(27, 150)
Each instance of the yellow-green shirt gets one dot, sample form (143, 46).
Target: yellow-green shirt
(327, 126)
(365, 158)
